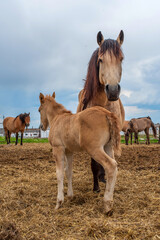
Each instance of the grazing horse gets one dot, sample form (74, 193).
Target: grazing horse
(91, 130)
(127, 133)
(102, 88)
(137, 125)
(15, 125)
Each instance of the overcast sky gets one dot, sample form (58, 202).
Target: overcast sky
(45, 46)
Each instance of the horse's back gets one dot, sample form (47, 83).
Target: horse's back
(8, 123)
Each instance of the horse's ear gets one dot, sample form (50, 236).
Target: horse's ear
(53, 95)
(100, 38)
(29, 113)
(120, 38)
(41, 98)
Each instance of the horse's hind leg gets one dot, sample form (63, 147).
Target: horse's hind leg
(9, 137)
(110, 167)
(58, 152)
(68, 170)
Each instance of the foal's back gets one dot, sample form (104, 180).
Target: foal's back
(74, 131)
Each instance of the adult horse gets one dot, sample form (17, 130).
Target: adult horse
(127, 133)
(137, 125)
(102, 88)
(15, 125)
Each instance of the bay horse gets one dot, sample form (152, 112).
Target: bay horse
(102, 88)
(91, 130)
(15, 125)
(137, 125)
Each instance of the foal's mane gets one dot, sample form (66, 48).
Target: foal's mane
(22, 117)
(92, 84)
(57, 106)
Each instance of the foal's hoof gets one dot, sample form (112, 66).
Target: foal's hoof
(108, 208)
(58, 205)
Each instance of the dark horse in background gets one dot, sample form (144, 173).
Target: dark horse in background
(102, 88)
(15, 125)
(137, 125)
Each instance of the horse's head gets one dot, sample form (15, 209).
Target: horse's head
(27, 119)
(110, 58)
(43, 109)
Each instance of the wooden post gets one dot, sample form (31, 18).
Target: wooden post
(159, 135)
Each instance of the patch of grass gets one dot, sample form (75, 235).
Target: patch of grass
(25, 140)
(141, 139)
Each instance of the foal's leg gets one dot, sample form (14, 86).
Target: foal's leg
(95, 170)
(16, 138)
(58, 152)
(68, 170)
(21, 138)
(110, 166)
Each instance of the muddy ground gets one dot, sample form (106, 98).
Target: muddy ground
(28, 190)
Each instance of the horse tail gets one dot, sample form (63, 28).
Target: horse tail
(154, 129)
(114, 126)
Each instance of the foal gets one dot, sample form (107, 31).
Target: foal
(91, 130)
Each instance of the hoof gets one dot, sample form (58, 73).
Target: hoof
(58, 205)
(96, 190)
(108, 208)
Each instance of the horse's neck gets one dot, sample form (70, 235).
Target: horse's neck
(112, 106)
(52, 115)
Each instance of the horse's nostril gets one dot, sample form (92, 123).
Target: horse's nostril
(119, 87)
(107, 87)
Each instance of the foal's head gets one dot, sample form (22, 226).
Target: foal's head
(110, 58)
(47, 108)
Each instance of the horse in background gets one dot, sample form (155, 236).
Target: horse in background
(102, 88)
(15, 125)
(90, 130)
(127, 133)
(137, 125)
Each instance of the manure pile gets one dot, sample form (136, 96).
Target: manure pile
(28, 190)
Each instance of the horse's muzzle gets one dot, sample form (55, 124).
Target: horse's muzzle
(112, 92)
(27, 124)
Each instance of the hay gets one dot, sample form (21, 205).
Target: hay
(29, 188)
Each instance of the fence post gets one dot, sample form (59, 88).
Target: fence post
(159, 135)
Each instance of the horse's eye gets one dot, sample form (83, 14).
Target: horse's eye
(100, 60)
(39, 110)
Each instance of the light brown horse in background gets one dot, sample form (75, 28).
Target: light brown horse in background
(127, 133)
(15, 125)
(142, 124)
(102, 88)
(91, 130)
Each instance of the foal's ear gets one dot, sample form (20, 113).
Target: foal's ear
(100, 38)
(41, 98)
(120, 38)
(53, 95)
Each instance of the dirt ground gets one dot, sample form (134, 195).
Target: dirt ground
(28, 190)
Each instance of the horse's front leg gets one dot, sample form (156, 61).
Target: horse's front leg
(16, 138)
(68, 170)
(58, 153)
(21, 138)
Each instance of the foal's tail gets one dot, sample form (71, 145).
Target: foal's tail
(115, 132)
(154, 129)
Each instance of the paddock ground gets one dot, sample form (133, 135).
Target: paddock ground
(28, 190)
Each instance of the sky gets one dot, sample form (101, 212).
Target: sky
(45, 46)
